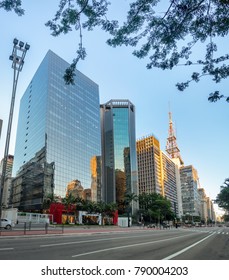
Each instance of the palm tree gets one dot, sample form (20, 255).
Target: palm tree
(49, 199)
(106, 209)
(68, 201)
(110, 208)
(101, 208)
(129, 199)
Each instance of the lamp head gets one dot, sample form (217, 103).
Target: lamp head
(15, 41)
(21, 44)
(27, 46)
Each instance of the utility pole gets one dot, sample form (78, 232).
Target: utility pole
(17, 57)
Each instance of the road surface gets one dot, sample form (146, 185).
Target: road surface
(133, 244)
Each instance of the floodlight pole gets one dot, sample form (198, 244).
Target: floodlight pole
(17, 57)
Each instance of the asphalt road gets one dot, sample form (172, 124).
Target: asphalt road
(176, 244)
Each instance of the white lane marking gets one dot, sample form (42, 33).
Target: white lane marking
(92, 240)
(6, 249)
(187, 248)
(96, 240)
(129, 246)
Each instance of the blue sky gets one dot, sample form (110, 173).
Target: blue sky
(202, 127)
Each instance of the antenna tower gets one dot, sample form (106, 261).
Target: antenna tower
(171, 145)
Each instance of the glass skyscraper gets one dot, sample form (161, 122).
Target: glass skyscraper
(63, 119)
(119, 160)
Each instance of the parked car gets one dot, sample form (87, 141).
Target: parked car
(6, 223)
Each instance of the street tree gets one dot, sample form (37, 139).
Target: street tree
(164, 32)
(222, 198)
(154, 206)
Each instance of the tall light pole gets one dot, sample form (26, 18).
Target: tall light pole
(17, 57)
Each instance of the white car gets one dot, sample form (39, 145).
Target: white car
(7, 224)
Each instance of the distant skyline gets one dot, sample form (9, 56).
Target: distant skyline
(201, 127)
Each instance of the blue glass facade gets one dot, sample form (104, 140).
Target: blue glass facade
(119, 164)
(63, 118)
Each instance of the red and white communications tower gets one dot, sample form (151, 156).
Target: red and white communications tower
(171, 145)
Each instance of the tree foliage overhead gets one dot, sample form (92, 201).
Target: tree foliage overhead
(165, 32)
(12, 5)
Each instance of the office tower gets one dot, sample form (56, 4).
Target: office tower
(203, 205)
(119, 160)
(62, 119)
(169, 180)
(189, 190)
(156, 171)
(210, 210)
(149, 165)
(174, 153)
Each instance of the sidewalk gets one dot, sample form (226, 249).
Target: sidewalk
(70, 230)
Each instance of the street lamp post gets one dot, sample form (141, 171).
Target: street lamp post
(17, 57)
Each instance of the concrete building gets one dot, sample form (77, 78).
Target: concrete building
(156, 171)
(169, 180)
(211, 215)
(149, 165)
(9, 166)
(189, 190)
(178, 165)
(203, 205)
(8, 177)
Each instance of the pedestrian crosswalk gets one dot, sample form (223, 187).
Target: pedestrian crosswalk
(211, 231)
(222, 232)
